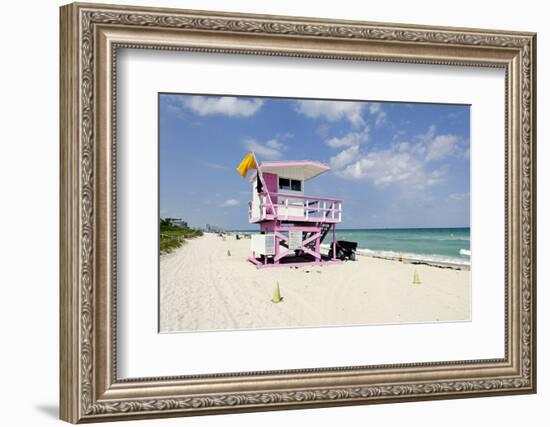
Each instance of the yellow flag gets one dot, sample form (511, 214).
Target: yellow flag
(246, 164)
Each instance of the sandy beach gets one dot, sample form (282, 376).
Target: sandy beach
(204, 288)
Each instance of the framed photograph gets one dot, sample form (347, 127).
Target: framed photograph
(267, 212)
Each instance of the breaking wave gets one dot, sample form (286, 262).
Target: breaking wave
(431, 258)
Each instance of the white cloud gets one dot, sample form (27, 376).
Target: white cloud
(436, 176)
(344, 157)
(428, 136)
(332, 110)
(230, 203)
(382, 168)
(213, 165)
(458, 197)
(173, 108)
(225, 105)
(285, 135)
(387, 167)
(338, 110)
(404, 163)
(375, 108)
(323, 131)
(442, 146)
(403, 146)
(453, 115)
(271, 150)
(380, 118)
(438, 147)
(276, 145)
(349, 140)
(398, 135)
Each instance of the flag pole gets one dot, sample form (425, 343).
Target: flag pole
(261, 176)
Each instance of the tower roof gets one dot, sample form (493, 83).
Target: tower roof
(297, 169)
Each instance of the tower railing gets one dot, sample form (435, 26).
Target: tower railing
(296, 207)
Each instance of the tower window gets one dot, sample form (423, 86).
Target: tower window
(284, 184)
(290, 184)
(295, 185)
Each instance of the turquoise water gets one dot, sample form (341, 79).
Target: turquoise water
(447, 245)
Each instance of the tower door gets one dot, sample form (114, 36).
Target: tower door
(271, 182)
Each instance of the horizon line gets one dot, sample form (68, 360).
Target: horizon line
(371, 228)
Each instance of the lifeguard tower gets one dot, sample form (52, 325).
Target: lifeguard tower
(292, 225)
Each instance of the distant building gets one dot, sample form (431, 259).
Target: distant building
(178, 222)
(213, 228)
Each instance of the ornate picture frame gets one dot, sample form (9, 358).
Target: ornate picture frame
(90, 37)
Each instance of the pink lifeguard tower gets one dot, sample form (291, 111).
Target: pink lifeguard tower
(292, 225)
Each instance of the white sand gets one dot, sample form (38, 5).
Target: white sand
(202, 288)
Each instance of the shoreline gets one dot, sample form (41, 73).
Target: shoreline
(410, 258)
(207, 285)
(436, 264)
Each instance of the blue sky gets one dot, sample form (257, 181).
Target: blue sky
(394, 164)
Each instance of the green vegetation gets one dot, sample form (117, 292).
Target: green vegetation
(172, 237)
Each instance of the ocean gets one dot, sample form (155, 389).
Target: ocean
(444, 245)
(437, 245)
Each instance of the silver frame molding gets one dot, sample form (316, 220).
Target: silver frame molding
(90, 37)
